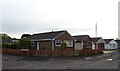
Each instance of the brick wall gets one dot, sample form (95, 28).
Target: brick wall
(50, 52)
(13, 51)
(65, 36)
(88, 41)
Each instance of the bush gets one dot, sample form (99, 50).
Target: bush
(14, 46)
(6, 45)
(11, 46)
(23, 43)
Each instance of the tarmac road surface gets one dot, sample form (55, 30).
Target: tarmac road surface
(17, 62)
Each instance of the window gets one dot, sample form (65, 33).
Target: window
(86, 44)
(69, 43)
(58, 42)
(114, 45)
(32, 43)
(110, 44)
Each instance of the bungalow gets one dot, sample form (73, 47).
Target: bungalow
(98, 43)
(110, 44)
(55, 40)
(82, 42)
(14, 40)
(118, 43)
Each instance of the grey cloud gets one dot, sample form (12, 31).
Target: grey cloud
(15, 27)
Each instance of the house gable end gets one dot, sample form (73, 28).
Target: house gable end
(101, 41)
(87, 37)
(80, 38)
(58, 36)
(113, 41)
(64, 36)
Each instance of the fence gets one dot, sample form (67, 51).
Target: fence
(50, 52)
(12, 51)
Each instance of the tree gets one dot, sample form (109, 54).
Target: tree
(5, 41)
(23, 43)
(14, 45)
(4, 45)
(25, 35)
(117, 39)
(4, 36)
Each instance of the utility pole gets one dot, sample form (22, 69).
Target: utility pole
(119, 20)
(96, 30)
(96, 36)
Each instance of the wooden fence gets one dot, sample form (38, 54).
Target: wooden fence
(49, 52)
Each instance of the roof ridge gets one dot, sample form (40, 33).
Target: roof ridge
(46, 35)
(49, 32)
(79, 35)
(108, 39)
(96, 37)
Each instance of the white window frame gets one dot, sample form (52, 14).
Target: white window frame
(58, 41)
(110, 44)
(69, 43)
(38, 46)
(93, 47)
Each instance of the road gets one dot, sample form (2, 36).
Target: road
(16, 62)
(0, 61)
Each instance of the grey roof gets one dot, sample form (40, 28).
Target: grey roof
(118, 41)
(47, 35)
(80, 37)
(7, 40)
(15, 40)
(108, 40)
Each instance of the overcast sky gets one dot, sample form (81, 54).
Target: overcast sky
(78, 17)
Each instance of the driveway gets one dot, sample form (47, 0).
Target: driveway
(108, 51)
(0, 61)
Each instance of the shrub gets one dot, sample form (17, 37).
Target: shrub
(6, 45)
(14, 46)
(23, 43)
